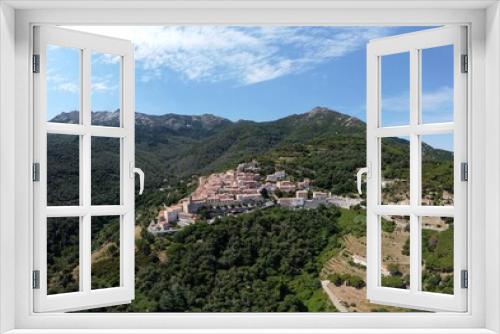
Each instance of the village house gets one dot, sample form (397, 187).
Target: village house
(319, 195)
(291, 202)
(236, 191)
(287, 186)
(277, 176)
(301, 194)
(304, 184)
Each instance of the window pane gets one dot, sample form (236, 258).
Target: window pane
(395, 266)
(395, 170)
(437, 254)
(437, 84)
(105, 252)
(63, 255)
(63, 166)
(395, 90)
(63, 84)
(437, 169)
(106, 89)
(105, 171)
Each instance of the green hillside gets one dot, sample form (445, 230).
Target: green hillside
(326, 146)
(261, 261)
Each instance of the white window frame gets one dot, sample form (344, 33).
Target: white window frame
(483, 18)
(85, 297)
(413, 44)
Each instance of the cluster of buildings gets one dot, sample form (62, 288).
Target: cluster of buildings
(311, 200)
(241, 184)
(231, 192)
(236, 191)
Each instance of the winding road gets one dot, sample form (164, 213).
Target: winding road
(335, 301)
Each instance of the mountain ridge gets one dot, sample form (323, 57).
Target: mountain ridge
(322, 144)
(111, 118)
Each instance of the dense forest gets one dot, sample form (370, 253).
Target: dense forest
(264, 261)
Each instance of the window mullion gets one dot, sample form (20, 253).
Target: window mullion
(414, 170)
(85, 158)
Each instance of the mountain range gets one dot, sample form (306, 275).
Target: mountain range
(324, 145)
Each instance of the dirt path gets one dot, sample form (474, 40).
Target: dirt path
(335, 301)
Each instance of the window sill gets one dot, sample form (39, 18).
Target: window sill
(255, 331)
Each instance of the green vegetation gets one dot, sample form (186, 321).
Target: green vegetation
(406, 247)
(437, 253)
(399, 282)
(347, 279)
(323, 145)
(437, 174)
(62, 254)
(106, 249)
(255, 262)
(266, 260)
(319, 302)
(353, 221)
(308, 290)
(395, 279)
(388, 226)
(395, 159)
(63, 169)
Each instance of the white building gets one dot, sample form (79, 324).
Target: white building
(277, 176)
(291, 202)
(301, 194)
(319, 195)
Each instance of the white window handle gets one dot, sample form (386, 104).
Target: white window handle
(139, 171)
(360, 173)
(141, 179)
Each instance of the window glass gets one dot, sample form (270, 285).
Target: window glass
(63, 170)
(63, 84)
(395, 90)
(437, 254)
(105, 171)
(395, 170)
(106, 89)
(105, 252)
(437, 169)
(395, 252)
(63, 255)
(437, 84)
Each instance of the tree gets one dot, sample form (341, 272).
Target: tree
(335, 279)
(356, 281)
(204, 212)
(393, 269)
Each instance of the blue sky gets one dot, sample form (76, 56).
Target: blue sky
(256, 73)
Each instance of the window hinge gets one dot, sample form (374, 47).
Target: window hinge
(36, 279)
(465, 64)
(464, 171)
(464, 279)
(36, 63)
(36, 172)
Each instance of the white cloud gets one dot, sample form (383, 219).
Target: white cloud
(69, 87)
(396, 103)
(437, 101)
(246, 55)
(106, 58)
(99, 87)
(103, 85)
(58, 82)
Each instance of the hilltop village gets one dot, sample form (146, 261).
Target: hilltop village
(240, 190)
